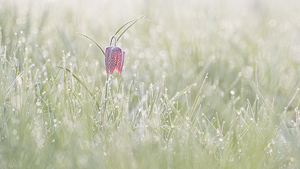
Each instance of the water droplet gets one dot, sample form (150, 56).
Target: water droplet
(14, 132)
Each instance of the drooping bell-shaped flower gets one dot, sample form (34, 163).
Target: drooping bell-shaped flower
(114, 58)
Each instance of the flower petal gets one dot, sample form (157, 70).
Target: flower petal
(110, 59)
(120, 61)
(114, 59)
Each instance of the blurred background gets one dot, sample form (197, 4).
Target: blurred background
(175, 45)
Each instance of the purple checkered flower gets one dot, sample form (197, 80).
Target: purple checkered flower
(114, 58)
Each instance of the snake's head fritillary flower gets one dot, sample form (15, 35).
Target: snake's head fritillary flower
(114, 59)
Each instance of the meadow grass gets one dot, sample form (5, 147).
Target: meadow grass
(205, 84)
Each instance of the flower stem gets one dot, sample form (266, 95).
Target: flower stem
(105, 97)
(114, 37)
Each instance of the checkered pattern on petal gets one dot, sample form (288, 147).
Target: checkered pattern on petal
(120, 61)
(114, 59)
(110, 61)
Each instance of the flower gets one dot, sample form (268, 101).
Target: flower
(114, 58)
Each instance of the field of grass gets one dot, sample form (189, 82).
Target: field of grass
(205, 84)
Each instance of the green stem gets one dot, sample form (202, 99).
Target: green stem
(114, 37)
(105, 97)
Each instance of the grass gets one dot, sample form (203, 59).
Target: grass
(205, 85)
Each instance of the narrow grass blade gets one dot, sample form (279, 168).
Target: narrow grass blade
(81, 82)
(77, 78)
(133, 22)
(182, 92)
(11, 85)
(124, 26)
(94, 42)
(152, 102)
(199, 93)
(106, 85)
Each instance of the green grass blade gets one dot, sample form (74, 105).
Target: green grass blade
(124, 26)
(134, 21)
(182, 92)
(12, 84)
(77, 78)
(94, 42)
(199, 93)
(81, 82)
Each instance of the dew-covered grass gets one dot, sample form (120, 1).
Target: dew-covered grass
(205, 84)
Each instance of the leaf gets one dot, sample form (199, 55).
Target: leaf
(134, 21)
(94, 42)
(77, 78)
(182, 92)
(123, 26)
(199, 93)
